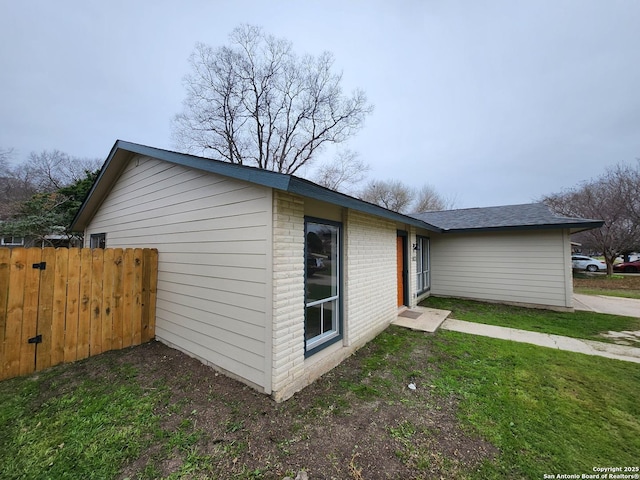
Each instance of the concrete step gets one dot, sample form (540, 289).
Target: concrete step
(421, 318)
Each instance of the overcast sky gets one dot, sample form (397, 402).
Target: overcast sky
(490, 102)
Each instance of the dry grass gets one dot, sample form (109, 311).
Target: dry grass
(616, 285)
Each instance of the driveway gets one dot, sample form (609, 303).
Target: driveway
(627, 307)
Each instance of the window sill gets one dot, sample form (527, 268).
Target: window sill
(322, 346)
(322, 355)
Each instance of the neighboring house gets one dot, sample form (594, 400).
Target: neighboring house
(11, 241)
(53, 240)
(275, 280)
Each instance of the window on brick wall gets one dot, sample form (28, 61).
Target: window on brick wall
(423, 282)
(323, 284)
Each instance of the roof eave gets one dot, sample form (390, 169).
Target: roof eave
(305, 188)
(122, 151)
(572, 227)
(80, 220)
(587, 226)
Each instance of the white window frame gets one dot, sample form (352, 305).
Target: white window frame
(324, 339)
(95, 240)
(423, 264)
(12, 242)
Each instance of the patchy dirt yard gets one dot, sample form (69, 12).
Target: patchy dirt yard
(359, 421)
(606, 284)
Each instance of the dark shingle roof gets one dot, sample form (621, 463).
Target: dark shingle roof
(529, 216)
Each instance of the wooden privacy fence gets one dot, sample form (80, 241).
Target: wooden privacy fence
(62, 305)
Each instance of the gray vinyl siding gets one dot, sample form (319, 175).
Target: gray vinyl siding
(520, 267)
(212, 234)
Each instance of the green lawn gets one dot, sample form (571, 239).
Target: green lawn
(609, 293)
(87, 430)
(540, 411)
(547, 411)
(579, 324)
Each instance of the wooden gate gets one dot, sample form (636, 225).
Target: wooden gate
(62, 305)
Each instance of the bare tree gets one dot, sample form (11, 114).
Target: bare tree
(5, 156)
(345, 172)
(51, 170)
(427, 199)
(42, 173)
(625, 179)
(14, 187)
(390, 194)
(255, 102)
(399, 197)
(5, 183)
(613, 198)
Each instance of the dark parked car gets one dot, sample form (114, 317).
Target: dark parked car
(628, 267)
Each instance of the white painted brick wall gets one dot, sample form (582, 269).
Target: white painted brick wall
(288, 294)
(371, 283)
(370, 292)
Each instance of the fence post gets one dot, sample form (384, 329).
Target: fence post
(136, 313)
(84, 320)
(107, 296)
(31, 297)
(44, 320)
(152, 268)
(95, 329)
(59, 313)
(5, 270)
(127, 304)
(73, 305)
(118, 298)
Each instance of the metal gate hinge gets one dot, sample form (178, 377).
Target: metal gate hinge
(40, 266)
(36, 339)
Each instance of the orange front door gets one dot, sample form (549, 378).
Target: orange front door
(400, 267)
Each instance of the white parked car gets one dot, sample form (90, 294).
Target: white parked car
(589, 264)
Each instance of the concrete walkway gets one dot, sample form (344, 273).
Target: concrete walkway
(588, 347)
(430, 319)
(628, 307)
